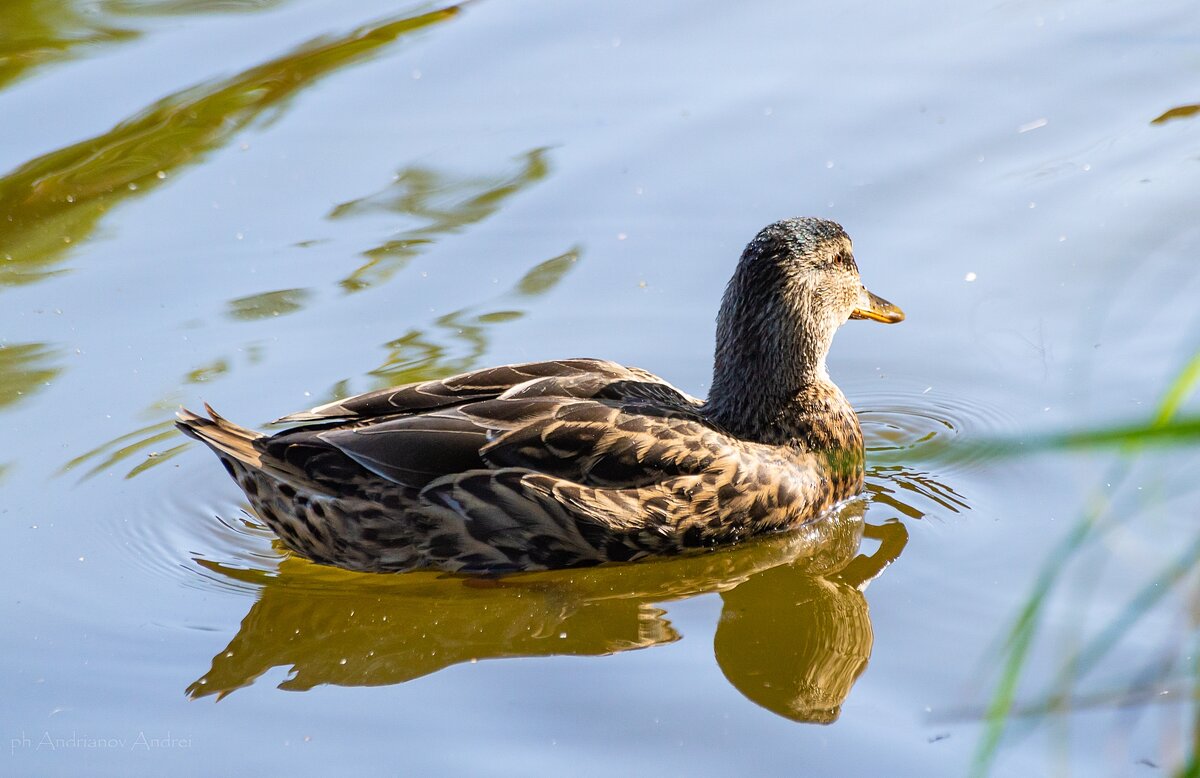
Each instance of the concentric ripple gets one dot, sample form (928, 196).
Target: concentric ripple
(175, 536)
(905, 429)
(922, 448)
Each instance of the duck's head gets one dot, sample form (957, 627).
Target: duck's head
(795, 284)
(808, 265)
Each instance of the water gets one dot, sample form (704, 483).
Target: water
(265, 205)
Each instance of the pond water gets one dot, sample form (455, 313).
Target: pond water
(267, 204)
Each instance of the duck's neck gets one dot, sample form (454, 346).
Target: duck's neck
(812, 415)
(770, 384)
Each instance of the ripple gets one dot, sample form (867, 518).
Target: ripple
(923, 447)
(175, 537)
(956, 432)
(915, 494)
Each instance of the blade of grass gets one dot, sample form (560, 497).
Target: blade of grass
(1098, 647)
(1191, 768)
(1021, 634)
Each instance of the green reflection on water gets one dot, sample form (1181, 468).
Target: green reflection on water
(794, 635)
(209, 372)
(42, 32)
(269, 304)
(113, 452)
(53, 202)
(38, 32)
(458, 340)
(25, 368)
(179, 7)
(442, 204)
(1178, 112)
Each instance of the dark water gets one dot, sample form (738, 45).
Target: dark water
(268, 204)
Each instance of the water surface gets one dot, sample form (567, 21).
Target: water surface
(267, 204)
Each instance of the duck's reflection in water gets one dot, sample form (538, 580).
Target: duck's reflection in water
(795, 638)
(794, 634)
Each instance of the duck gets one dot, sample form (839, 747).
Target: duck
(579, 462)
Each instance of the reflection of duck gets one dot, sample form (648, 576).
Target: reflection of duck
(793, 637)
(572, 463)
(795, 644)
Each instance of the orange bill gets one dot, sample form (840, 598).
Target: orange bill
(876, 308)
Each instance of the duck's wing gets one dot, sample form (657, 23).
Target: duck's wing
(592, 422)
(602, 442)
(592, 442)
(565, 377)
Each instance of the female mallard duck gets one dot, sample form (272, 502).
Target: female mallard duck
(582, 461)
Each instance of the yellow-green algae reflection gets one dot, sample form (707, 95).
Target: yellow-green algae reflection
(440, 203)
(46, 31)
(55, 201)
(25, 368)
(39, 33)
(794, 634)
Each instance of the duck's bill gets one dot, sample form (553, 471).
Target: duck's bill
(876, 308)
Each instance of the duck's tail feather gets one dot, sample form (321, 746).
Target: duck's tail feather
(221, 435)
